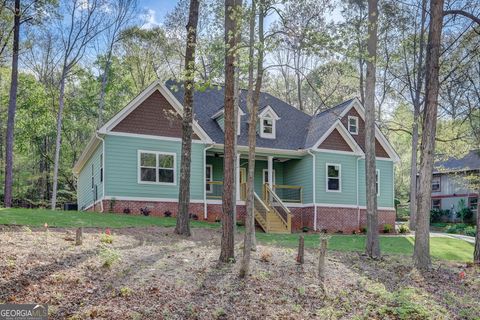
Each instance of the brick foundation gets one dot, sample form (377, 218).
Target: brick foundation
(330, 219)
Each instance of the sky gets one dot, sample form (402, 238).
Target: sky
(155, 10)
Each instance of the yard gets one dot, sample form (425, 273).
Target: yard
(147, 272)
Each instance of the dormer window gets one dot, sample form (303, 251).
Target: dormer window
(353, 124)
(268, 120)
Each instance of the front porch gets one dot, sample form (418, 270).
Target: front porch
(273, 191)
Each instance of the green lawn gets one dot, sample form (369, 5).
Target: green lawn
(38, 218)
(441, 248)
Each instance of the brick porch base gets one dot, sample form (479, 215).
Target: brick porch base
(330, 219)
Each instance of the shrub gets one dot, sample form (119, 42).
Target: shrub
(125, 291)
(465, 214)
(126, 210)
(193, 216)
(106, 238)
(305, 229)
(471, 231)
(363, 230)
(387, 228)
(437, 214)
(167, 214)
(403, 228)
(461, 228)
(145, 211)
(109, 257)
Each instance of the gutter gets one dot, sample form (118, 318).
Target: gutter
(314, 190)
(103, 166)
(205, 213)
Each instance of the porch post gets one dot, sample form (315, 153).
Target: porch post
(237, 180)
(270, 172)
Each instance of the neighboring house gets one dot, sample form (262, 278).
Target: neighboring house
(309, 172)
(452, 183)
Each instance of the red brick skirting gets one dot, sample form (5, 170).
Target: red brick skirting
(330, 219)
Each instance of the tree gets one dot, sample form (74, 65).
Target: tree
(421, 254)
(82, 26)
(232, 11)
(253, 97)
(12, 106)
(372, 245)
(183, 226)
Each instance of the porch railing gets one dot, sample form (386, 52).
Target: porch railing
(289, 193)
(215, 190)
(272, 200)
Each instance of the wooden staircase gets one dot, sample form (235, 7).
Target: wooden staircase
(271, 214)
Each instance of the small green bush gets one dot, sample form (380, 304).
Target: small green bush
(461, 228)
(387, 228)
(109, 257)
(437, 214)
(470, 231)
(403, 228)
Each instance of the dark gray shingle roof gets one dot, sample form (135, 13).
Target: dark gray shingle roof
(295, 129)
(471, 161)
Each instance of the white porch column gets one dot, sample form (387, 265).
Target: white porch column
(270, 171)
(237, 180)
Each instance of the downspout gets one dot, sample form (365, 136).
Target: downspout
(314, 190)
(205, 214)
(103, 173)
(358, 204)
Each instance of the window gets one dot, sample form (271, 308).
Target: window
(93, 182)
(334, 177)
(436, 204)
(353, 124)
(265, 176)
(377, 181)
(156, 167)
(436, 184)
(208, 178)
(267, 128)
(101, 167)
(473, 203)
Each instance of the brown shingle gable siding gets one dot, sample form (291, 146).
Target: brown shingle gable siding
(335, 141)
(154, 116)
(360, 137)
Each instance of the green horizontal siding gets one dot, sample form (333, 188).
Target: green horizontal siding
(385, 197)
(85, 192)
(298, 172)
(122, 168)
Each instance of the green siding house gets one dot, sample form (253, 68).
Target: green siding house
(309, 170)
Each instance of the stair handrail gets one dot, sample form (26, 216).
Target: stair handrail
(271, 194)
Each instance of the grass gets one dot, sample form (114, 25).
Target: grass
(441, 248)
(72, 219)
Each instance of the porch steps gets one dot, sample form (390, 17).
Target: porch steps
(268, 218)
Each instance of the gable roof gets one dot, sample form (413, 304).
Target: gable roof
(471, 161)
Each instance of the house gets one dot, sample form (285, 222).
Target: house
(309, 171)
(452, 186)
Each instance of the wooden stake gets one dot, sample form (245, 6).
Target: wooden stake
(301, 250)
(321, 261)
(79, 237)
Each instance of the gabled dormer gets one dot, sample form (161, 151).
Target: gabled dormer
(219, 117)
(268, 123)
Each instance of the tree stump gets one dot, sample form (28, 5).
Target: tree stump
(301, 250)
(321, 261)
(79, 237)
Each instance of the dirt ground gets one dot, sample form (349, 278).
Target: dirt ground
(150, 273)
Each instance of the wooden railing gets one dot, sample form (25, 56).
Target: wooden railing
(261, 211)
(273, 201)
(216, 189)
(289, 193)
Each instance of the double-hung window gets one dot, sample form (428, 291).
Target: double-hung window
(436, 184)
(156, 167)
(334, 178)
(436, 204)
(353, 124)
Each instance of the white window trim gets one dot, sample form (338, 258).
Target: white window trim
(378, 181)
(356, 124)
(440, 205)
(272, 135)
(239, 123)
(265, 174)
(139, 152)
(339, 177)
(211, 178)
(439, 184)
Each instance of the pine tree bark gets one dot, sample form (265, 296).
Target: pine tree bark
(421, 254)
(12, 107)
(372, 246)
(183, 226)
(476, 252)
(228, 198)
(301, 250)
(253, 98)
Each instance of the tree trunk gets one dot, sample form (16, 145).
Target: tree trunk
(299, 82)
(12, 106)
(101, 103)
(321, 261)
(79, 237)
(372, 246)
(252, 105)
(58, 141)
(476, 252)
(421, 254)
(228, 198)
(183, 226)
(416, 114)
